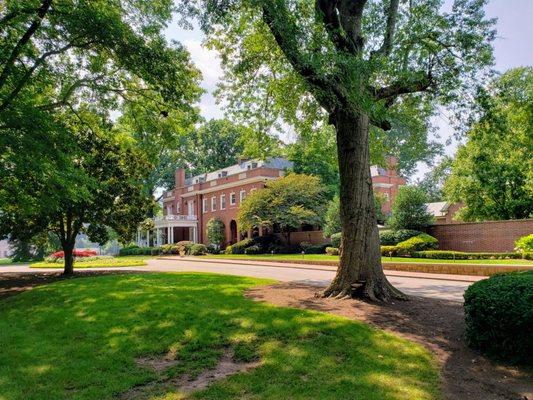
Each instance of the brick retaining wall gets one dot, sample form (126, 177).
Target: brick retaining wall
(480, 237)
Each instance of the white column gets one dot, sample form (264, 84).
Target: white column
(195, 234)
(171, 234)
(148, 238)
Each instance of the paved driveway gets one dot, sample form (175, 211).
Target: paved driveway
(447, 287)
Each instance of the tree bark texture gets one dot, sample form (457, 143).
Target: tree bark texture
(68, 249)
(360, 272)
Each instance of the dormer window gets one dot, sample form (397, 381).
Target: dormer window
(222, 174)
(254, 165)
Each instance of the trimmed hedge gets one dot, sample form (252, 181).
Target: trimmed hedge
(316, 249)
(417, 243)
(499, 316)
(387, 251)
(458, 255)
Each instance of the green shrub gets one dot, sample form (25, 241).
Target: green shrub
(284, 249)
(166, 249)
(239, 247)
(418, 243)
(387, 251)
(499, 316)
(254, 249)
(213, 249)
(128, 250)
(155, 251)
(392, 238)
(316, 249)
(198, 249)
(336, 240)
(187, 244)
(332, 251)
(525, 244)
(458, 255)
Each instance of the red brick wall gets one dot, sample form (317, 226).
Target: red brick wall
(489, 236)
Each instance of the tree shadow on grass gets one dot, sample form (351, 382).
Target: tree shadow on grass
(79, 339)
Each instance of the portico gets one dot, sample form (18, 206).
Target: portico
(170, 229)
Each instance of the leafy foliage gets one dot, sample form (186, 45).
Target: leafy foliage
(287, 202)
(392, 237)
(216, 234)
(433, 181)
(409, 210)
(525, 244)
(492, 174)
(417, 243)
(499, 316)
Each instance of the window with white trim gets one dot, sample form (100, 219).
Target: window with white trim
(178, 207)
(169, 210)
(232, 199)
(222, 201)
(204, 205)
(213, 203)
(242, 195)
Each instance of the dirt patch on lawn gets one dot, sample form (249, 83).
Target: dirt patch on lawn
(436, 324)
(184, 384)
(12, 283)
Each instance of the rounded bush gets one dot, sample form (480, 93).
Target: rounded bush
(525, 244)
(198, 249)
(391, 238)
(332, 251)
(499, 316)
(417, 243)
(239, 247)
(255, 249)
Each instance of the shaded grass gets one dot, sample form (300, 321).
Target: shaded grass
(78, 339)
(126, 261)
(325, 257)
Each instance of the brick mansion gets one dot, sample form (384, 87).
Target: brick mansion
(194, 201)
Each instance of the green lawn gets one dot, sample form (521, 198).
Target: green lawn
(5, 261)
(78, 339)
(126, 261)
(325, 257)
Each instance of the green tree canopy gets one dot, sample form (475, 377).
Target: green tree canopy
(432, 183)
(352, 64)
(100, 186)
(409, 209)
(216, 234)
(492, 174)
(286, 202)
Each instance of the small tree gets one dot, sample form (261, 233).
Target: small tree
(216, 233)
(101, 188)
(409, 210)
(287, 202)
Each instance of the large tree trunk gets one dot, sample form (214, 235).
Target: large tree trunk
(360, 272)
(68, 249)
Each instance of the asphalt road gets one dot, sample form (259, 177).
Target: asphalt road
(416, 284)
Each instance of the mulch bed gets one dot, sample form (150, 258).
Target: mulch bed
(436, 324)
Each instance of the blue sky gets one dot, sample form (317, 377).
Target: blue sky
(513, 48)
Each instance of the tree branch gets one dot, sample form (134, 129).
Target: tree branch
(326, 11)
(403, 87)
(284, 30)
(392, 16)
(41, 12)
(350, 15)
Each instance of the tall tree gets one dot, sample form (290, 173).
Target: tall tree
(409, 209)
(100, 186)
(492, 174)
(213, 145)
(358, 62)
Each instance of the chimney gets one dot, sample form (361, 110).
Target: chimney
(180, 177)
(392, 165)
